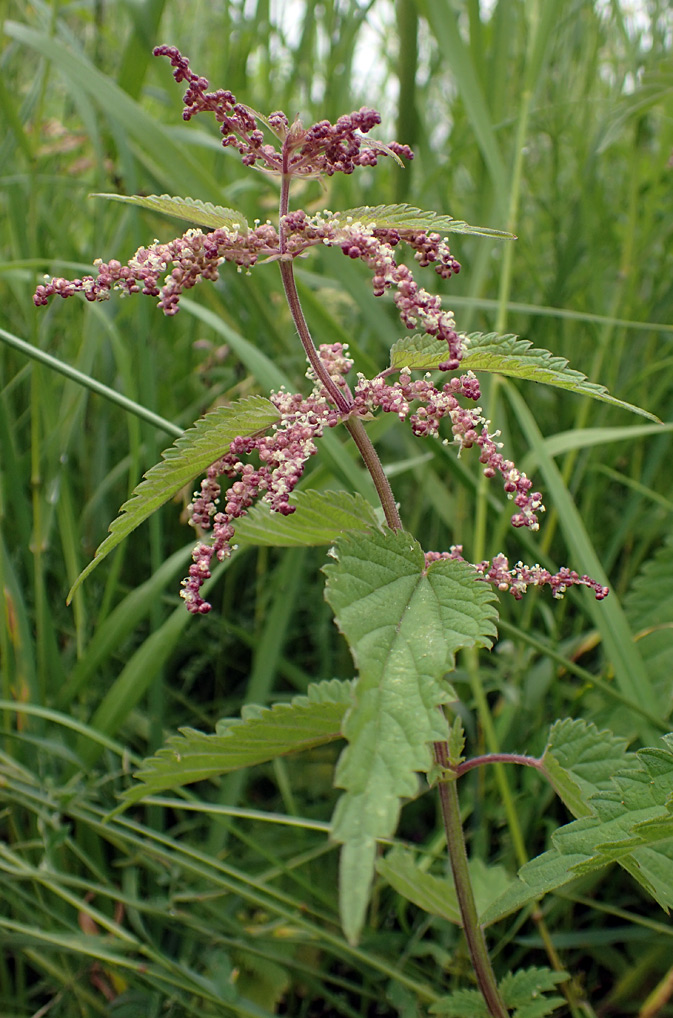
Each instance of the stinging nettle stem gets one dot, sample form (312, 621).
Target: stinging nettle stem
(373, 464)
(340, 399)
(474, 934)
(290, 288)
(292, 297)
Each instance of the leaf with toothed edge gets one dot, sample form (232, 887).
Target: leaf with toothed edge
(625, 815)
(523, 992)
(188, 457)
(320, 518)
(404, 623)
(507, 355)
(407, 217)
(202, 213)
(260, 734)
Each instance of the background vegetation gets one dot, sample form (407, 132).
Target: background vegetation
(552, 120)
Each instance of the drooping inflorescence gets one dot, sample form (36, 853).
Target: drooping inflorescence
(468, 428)
(518, 578)
(167, 270)
(193, 257)
(282, 454)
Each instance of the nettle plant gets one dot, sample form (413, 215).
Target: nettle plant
(403, 611)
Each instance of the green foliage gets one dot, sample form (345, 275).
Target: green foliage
(553, 129)
(437, 895)
(522, 991)
(406, 217)
(624, 803)
(456, 742)
(319, 519)
(261, 734)
(403, 622)
(580, 760)
(193, 210)
(506, 355)
(181, 463)
(649, 608)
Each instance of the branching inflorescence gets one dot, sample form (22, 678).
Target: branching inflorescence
(167, 270)
(320, 150)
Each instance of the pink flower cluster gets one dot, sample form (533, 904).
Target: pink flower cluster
(468, 428)
(417, 307)
(282, 455)
(517, 485)
(517, 579)
(324, 148)
(196, 256)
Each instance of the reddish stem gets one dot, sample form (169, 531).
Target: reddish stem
(489, 758)
(341, 399)
(455, 842)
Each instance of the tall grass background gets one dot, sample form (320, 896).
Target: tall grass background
(548, 119)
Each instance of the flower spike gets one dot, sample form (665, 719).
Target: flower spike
(323, 149)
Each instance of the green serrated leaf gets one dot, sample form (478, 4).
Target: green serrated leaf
(631, 823)
(407, 217)
(419, 352)
(462, 1004)
(202, 213)
(456, 741)
(540, 1008)
(507, 355)
(547, 872)
(403, 623)
(189, 456)
(319, 519)
(261, 734)
(580, 760)
(522, 992)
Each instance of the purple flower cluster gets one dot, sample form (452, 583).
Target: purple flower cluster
(517, 579)
(517, 485)
(468, 428)
(167, 270)
(417, 307)
(324, 148)
(282, 456)
(193, 257)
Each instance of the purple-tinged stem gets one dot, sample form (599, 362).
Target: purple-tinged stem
(336, 395)
(492, 758)
(342, 400)
(474, 934)
(373, 464)
(339, 399)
